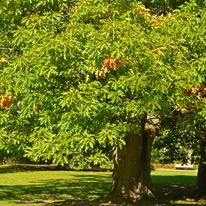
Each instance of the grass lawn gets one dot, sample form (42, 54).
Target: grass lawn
(61, 188)
(176, 187)
(51, 187)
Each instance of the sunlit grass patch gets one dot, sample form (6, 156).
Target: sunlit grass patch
(174, 177)
(50, 187)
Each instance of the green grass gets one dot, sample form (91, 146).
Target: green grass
(51, 187)
(61, 188)
(174, 177)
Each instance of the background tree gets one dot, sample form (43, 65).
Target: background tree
(90, 73)
(184, 135)
(186, 126)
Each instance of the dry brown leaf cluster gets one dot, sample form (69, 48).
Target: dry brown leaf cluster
(38, 107)
(109, 64)
(143, 10)
(6, 101)
(200, 91)
(157, 21)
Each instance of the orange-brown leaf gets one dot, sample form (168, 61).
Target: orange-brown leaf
(6, 102)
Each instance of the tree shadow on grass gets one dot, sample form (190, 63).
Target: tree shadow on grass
(176, 190)
(80, 190)
(83, 190)
(9, 170)
(14, 168)
(174, 179)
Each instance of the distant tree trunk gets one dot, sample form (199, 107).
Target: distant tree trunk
(189, 156)
(201, 177)
(131, 176)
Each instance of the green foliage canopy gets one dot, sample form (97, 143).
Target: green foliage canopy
(80, 75)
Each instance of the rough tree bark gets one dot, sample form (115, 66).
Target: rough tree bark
(131, 176)
(201, 177)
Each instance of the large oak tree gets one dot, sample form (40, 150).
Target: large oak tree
(77, 74)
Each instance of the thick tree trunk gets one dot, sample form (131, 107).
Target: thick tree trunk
(131, 176)
(201, 177)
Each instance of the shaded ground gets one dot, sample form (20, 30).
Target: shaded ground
(62, 188)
